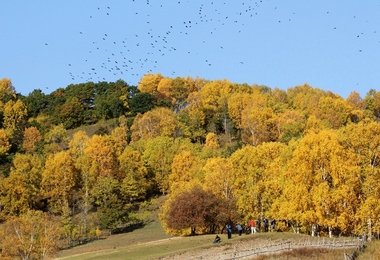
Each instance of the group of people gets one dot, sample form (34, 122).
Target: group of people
(253, 224)
(254, 227)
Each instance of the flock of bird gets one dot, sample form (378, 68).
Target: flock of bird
(155, 38)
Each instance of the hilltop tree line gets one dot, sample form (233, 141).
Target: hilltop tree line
(303, 156)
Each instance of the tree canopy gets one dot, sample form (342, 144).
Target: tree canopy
(220, 151)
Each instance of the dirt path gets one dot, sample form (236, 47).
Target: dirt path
(251, 249)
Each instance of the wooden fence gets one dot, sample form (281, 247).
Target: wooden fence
(250, 250)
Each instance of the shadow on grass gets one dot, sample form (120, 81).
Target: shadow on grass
(128, 228)
(80, 242)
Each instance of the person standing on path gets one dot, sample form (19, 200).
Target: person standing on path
(229, 231)
(266, 225)
(252, 225)
(239, 229)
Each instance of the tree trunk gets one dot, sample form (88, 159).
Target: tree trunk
(369, 229)
(330, 232)
(313, 229)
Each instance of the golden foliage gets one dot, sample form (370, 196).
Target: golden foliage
(5, 145)
(31, 137)
(159, 121)
(33, 235)
(149, 83)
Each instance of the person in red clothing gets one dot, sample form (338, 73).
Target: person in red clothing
(252, 225)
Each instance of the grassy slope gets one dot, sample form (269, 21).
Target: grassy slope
(152, 242)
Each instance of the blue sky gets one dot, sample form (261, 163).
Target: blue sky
(332, 45)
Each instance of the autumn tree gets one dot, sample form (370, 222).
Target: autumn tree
(185, 172)
(119, 139)
(14, 118)
(5, 145)
(60, 181)
(289, 124)
(355, 101)
(258, 125)
(192, 119)
(103, 157)
(6, 88)
(159, 121)
(334, 110)
(211, 141)
(134, 175)
(31, 137)
(149, 83)
(305, 98)
(363, 140)
(256, 176)
(193, 210)
(55, 139)
(83, 163)
(159, 156)
(215, 96)
(21, 190)
(322, 184)
(236, 105)
(33, 235)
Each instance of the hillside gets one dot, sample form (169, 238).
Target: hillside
(151, 242)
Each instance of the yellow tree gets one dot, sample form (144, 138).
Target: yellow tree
(321, 184)
(134, 175)
(255, 173)
(257, 125)
(60, 184)
(6, 88)
(278, 100)
(33, 235)
(212, 141)
(215, 97)
(14, 195)
(119, 139)
(31, 137)
(4, 143)
(363, 139)
(59, 181)
(180, 92)
(218, 177)
(355, 101)
(21, 190)
(193, 117)
(314, 125)
(83, 163)
(14, 114)
(305, 98)
(184, 174)
(165, 86)
(334, 110)
(158, 156)
(236, 104)
(159, 121)
(103, 157)
(149, 83)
